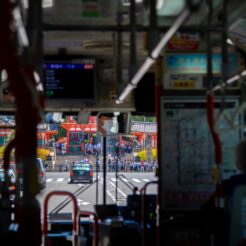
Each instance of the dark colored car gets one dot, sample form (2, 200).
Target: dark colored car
(81, 171)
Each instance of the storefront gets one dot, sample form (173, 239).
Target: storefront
(144, 130)
(79, 135)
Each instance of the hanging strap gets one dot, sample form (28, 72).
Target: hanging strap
(215, 136)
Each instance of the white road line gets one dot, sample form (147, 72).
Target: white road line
(125, 180)
(60, 179)
(119, 189)
(113, 179)
(146, 180)
(111, 196)
(49, 180)
(136, 180)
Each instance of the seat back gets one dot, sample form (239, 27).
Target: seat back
(236, 209)
(237, 216)
(106, 211)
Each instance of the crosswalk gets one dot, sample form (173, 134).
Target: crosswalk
(66, 180)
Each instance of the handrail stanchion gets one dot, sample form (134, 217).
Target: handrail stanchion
(75, 214)
(143, 214)
(88, 213)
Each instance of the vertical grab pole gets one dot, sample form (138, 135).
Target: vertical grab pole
(133, 50)
(97, 164)
(22, 85)
(143, 214)
(104, 170)
(116, 172)
(210, 101)
(75, 214)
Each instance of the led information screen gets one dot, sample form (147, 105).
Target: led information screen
(69, 80)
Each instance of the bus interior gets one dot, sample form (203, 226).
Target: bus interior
(180, 65)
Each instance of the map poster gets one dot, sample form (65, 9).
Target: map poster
(188, 151)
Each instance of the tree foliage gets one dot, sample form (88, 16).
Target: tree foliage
(61, 133)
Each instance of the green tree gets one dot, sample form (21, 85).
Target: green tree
(61, 133)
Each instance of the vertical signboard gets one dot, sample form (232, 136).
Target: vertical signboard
(188, 151)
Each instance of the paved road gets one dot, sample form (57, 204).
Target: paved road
(86, 193)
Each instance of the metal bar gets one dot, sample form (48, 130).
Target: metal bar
(133, 49)
(158, 89)
(229, 81)
(154, 54)
(116, 176)
(153, 27)
(97, 164)
(126, 28)
(21, 84)
(75, 213)
(87, 213)
(209, 48)
(144, 224)
(225, 60)
(104, 170)
(119, 56)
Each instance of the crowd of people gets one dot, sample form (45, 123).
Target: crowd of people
(94, 149)
(128, 165)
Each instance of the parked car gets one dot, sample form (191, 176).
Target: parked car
(81, 171)
(41, 173)
(12, 179)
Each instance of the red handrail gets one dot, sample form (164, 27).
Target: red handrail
(215, 135)
(75, 213)
(87, 213)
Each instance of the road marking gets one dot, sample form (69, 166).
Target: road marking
(81, 202)
(111, 196)
(125, 180)
(60, 179)
(118, 189)
(113, 179)
(49, 180)
(136, 180)
(146, 180)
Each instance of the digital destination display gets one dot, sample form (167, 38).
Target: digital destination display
(69, 80)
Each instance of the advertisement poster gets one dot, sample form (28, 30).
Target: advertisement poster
(184, 82)
(184, 41)
(196, 63)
